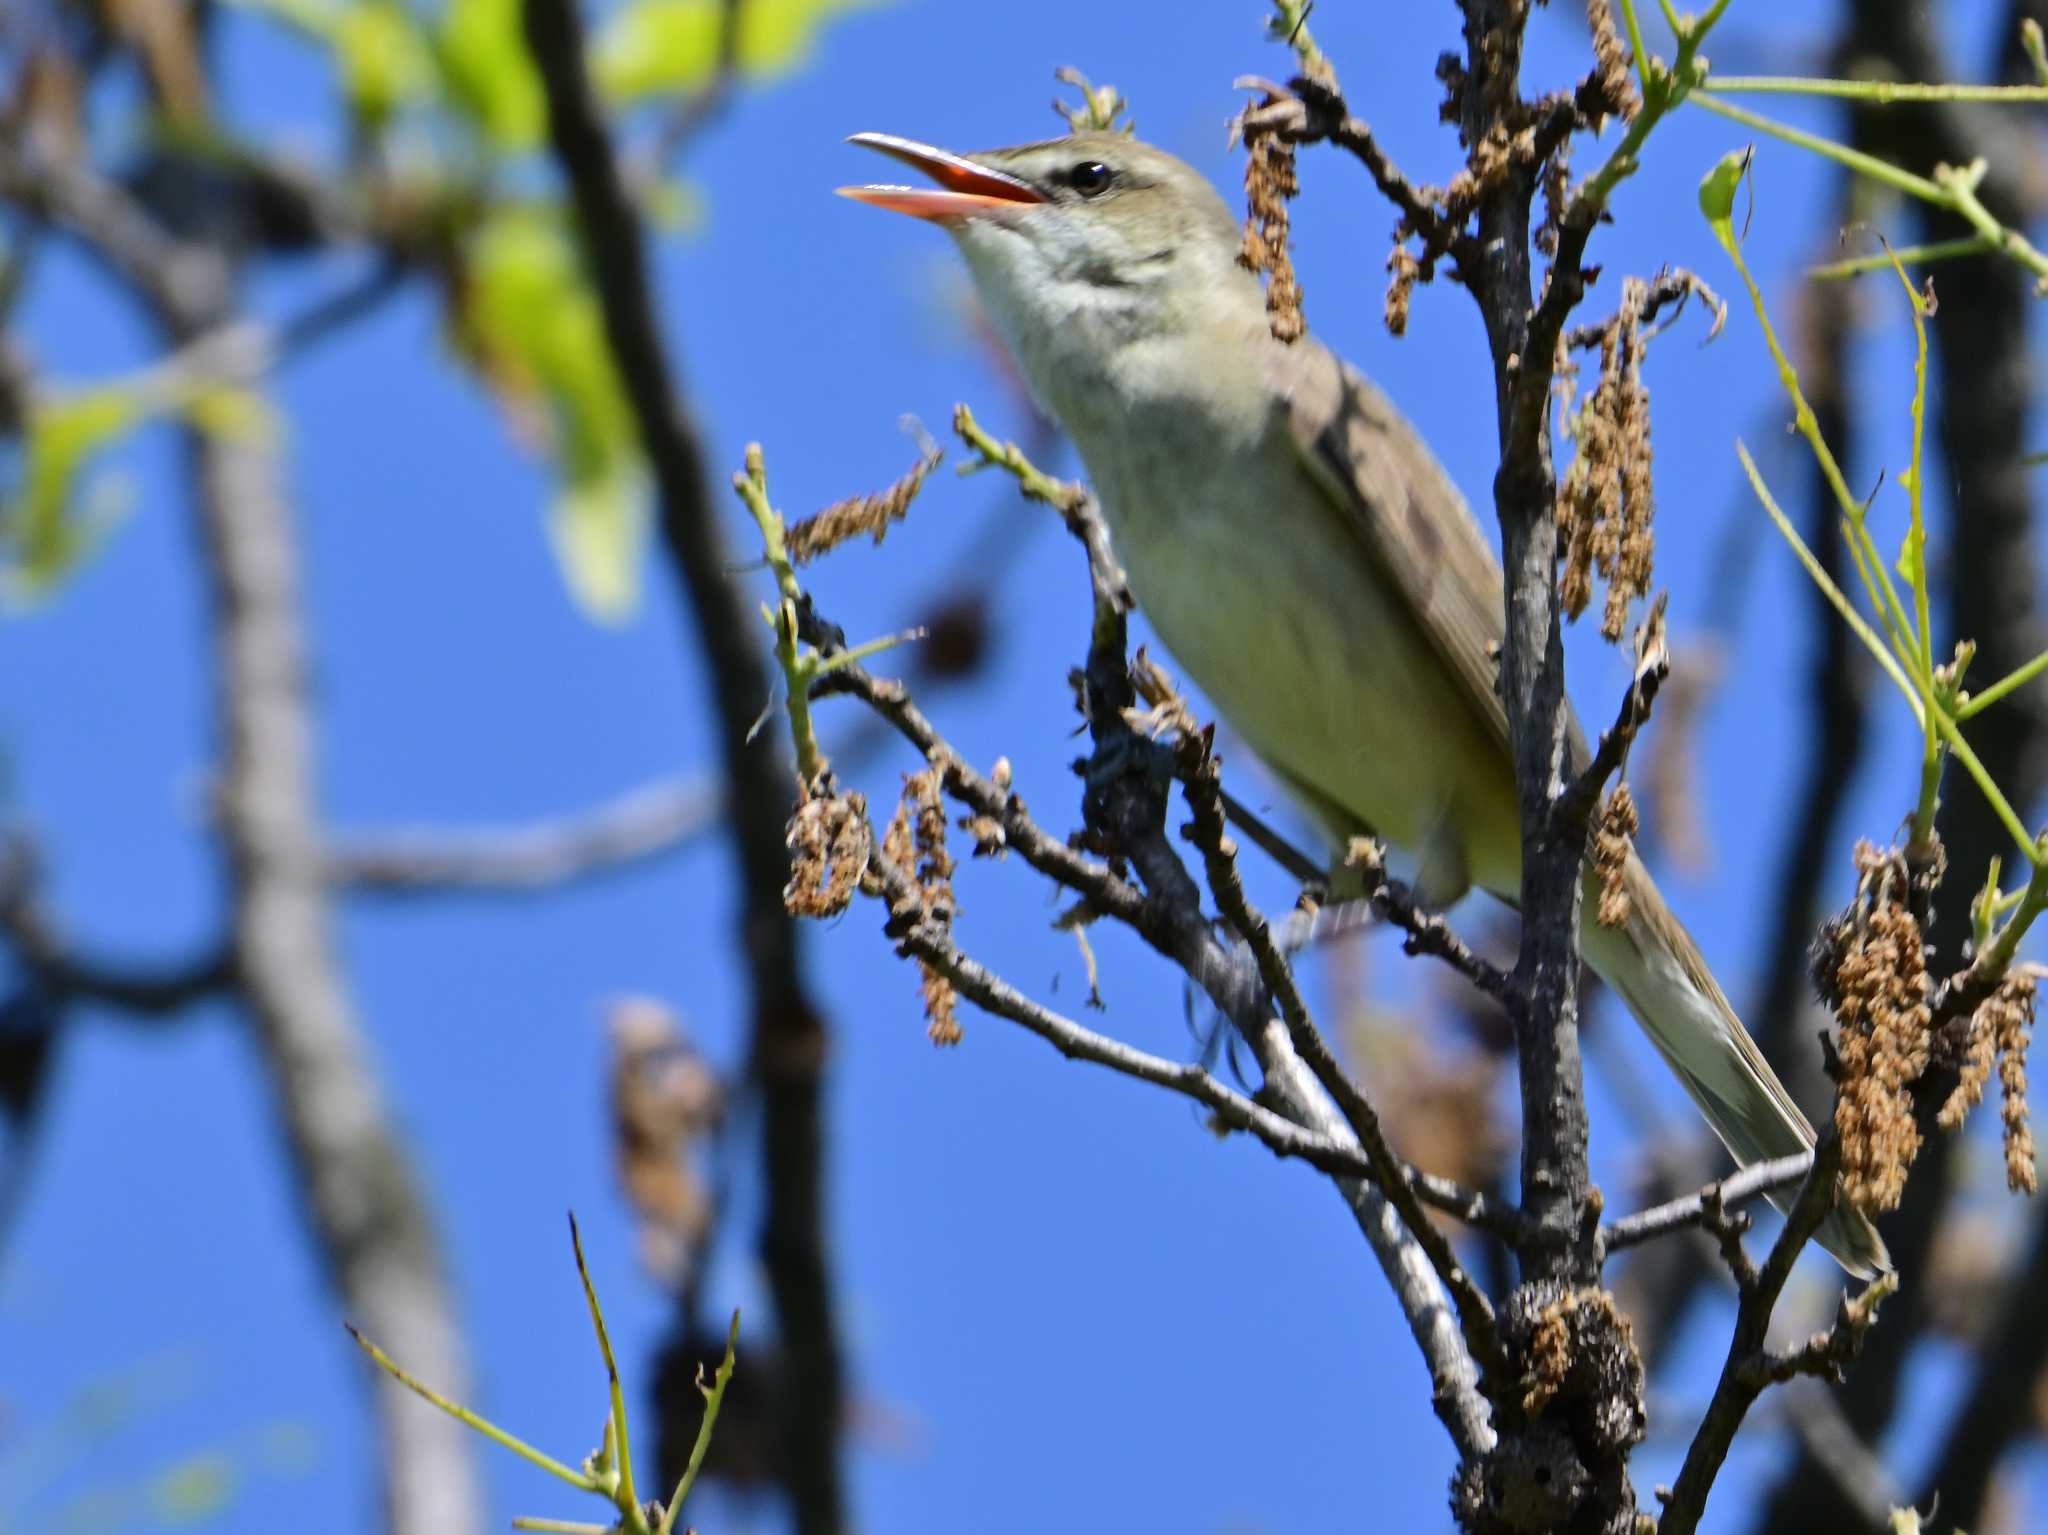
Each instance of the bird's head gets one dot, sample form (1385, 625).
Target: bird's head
(1078, 245)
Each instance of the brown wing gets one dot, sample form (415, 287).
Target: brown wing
(1410, 517)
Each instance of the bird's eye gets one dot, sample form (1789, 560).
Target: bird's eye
(1091, 178)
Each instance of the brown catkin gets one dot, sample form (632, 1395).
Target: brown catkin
(1605, 500)
(1608, 90)
(1269, 181)
(1879, 987)
(873, 514)
(2013, 1027)
(1618, 826)
(918, 832)
(828, 840)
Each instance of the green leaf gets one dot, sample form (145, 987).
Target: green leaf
(665, 47)
(1717, 191)
(47, 527)
(59, 514)
(481, 47)
(598, 528)
(532, 327)
(383, 59)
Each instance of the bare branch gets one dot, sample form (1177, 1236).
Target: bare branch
(376, 1237)
(1307, 111)
(1198, 775)
(1831, 1442)
(787, 1052)
(1998, 1403)
(1751, 1365)
(931, 942)
(1676, 1215)
(1574, 807)
(1669, 289)
(1125, 808)
(642, 824)
(62, 973)
(1428, 933)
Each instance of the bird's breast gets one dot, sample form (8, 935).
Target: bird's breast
(1268, 599)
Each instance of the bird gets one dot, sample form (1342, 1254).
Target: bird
(1298, 548)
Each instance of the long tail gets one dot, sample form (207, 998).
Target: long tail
(1657, 968)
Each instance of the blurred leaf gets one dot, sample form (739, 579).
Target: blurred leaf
(317, 19)
(383, 59)
(663, 47)
(532, 326)
(59, 513)
(598, 527)
(195, 1490)
(377, 46)
(485, 66)
(44, 524)
(221, 410)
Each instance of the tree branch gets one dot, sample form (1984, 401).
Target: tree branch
(358, 1184)
(1198, 776)
(644, 823)
(1982, 388)
(787, 1054)
(1751, 1366)
(1125, 807)
(1692, 1209)
(64, 975)
(929, 941)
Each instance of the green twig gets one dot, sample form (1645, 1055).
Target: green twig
(1996, 957)
(1289, 24)
(1961, 185)
(1835, 595)
(2000, 805)
(1636, 48)
(627, 1499)
(752, 485)
(463, 1415)
(608, 1471)
(714, 1398)
(1882, 171)
(1905, 255)
(1879, 93)
(1662, 88)
(1953, 189)
(2019, 677)
(1914, 559)
(1035, 483)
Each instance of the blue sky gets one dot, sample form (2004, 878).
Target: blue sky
(1064, 1303)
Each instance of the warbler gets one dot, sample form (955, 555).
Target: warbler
(1304, 556)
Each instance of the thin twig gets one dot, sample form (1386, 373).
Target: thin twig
(64, 975)
(1198, 776)
(1307, 112)
(643, 823)
(1751, 1365)
(1690, 1210)
(932, 942)
(1573, 808)
(787, 1050)
(1427, 931)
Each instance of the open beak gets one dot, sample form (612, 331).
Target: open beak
(964, 189)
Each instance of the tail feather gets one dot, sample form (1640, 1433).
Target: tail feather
(1659, 972)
